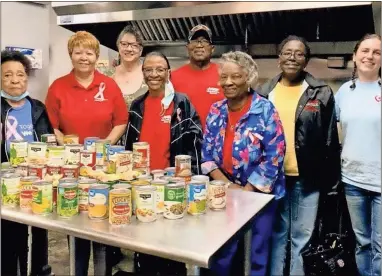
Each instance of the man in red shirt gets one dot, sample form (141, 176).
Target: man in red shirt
(199, 78)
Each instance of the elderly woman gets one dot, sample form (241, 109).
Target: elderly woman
(244, 145)
(161, 112)
(22, 118)
(128, 74)
(358, 104)
(312, 160)
(87, 103)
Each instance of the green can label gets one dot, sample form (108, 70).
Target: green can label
(67, 201)
(174, 202)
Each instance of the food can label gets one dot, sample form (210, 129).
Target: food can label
(90, 144)
(67, 201)
(56, 156)
(40, 172)
(10, 191)
(197, 199)
(120, 208)
(98, 203)
(124, 162)
(37, 151)
(145, 206)
(83, 197)
(42, 199)
(18, 153)
(217, 195)
(72, 155)
(174, 203)
(183, 165)
(159, 200)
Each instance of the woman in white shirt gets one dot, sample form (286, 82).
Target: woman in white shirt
(358, 108)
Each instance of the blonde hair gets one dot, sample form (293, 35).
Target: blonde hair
(246, 62)
(84, 39)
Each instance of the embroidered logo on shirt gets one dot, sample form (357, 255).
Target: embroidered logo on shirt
(212, 90)
(166, 119)
(378, 98)
(99, 97)
(312, 106)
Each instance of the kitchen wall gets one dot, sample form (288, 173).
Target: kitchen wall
(25, 24)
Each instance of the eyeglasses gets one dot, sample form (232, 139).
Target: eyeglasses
(150, 71)
(203, 42)
(125, 45)
(297, 54)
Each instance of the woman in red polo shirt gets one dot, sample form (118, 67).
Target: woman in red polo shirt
(86, 102)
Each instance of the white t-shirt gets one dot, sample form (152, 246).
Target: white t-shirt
(359, 113)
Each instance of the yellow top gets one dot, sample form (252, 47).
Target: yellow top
(286, 99)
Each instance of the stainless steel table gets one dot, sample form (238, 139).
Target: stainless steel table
(192, 240)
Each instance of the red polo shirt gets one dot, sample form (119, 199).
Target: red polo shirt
(201, 87)
(156, 131)
(92, 111)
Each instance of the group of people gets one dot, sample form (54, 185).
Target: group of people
(280, 138)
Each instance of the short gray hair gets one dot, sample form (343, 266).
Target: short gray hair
(246, 62)
(130, 29)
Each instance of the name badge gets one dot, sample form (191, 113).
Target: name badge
(166, 119)
(212, 90)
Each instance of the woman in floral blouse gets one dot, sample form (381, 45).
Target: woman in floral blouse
(244, 144)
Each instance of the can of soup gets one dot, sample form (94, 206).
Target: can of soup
(83, 193)
(174, 201)
(141, 157)
(37, 150)
(71, 139)
(42, 197)
(53, 169)
(37, 170)
(146, 203)
(22, 169)
(157, 174)
(67, 200)
(87, 160)
(159, 199)
(18, 152)
(72, 154)
(26, 193)
(90, 143)
(134, 185)
(197, 198)
(10, 189)
(49, 139)
(56, 155)
(120, 206)
(124, 161)
(70, 171)
(217, 195)
(183, 165)
(98, 201)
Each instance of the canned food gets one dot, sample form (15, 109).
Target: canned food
(37, 170)
(37, 150)
(157, 174)
(159, 199)
(71, 139)
(72, 154)
(70, 171)
(146, 203)
(122, 186)
(217, 195)
(124, 161)
(67, 201)
(53, 169)
(10, 189)
(49, 139)
(6, 165)
(22, 169)
(42, 197)
(202, 179)
(9, 170)
(56, 155)
(120, 206)
(170, 171)
(101, 147)
(98, 201)
(174, 201)
(141, 157)
(26, 192)
(134, 184)
(83, 193)
(90, 143)
(112, 155)
(183, 165)
(197, 198)
(18, 152)
(87, 160)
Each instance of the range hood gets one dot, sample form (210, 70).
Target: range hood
(331, 27)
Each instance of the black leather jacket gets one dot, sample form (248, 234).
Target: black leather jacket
(186, 130)
(316, 137)
(40, 121)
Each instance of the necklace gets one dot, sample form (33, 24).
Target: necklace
(232, 126)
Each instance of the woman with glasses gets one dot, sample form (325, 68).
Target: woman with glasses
(312, 160)
(128, 74)
(169, 123)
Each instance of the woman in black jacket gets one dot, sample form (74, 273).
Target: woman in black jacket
(169, 123)
(22, 118)
(312, 160)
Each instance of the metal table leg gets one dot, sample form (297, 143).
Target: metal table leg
(29, 264)
(193, 270)
(72, 255)
(247, 251)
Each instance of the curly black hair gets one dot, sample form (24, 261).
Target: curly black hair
(298, 38)
(7, 55)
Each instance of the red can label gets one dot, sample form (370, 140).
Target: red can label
(52, 170)
(39, 171)
(70, 171)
